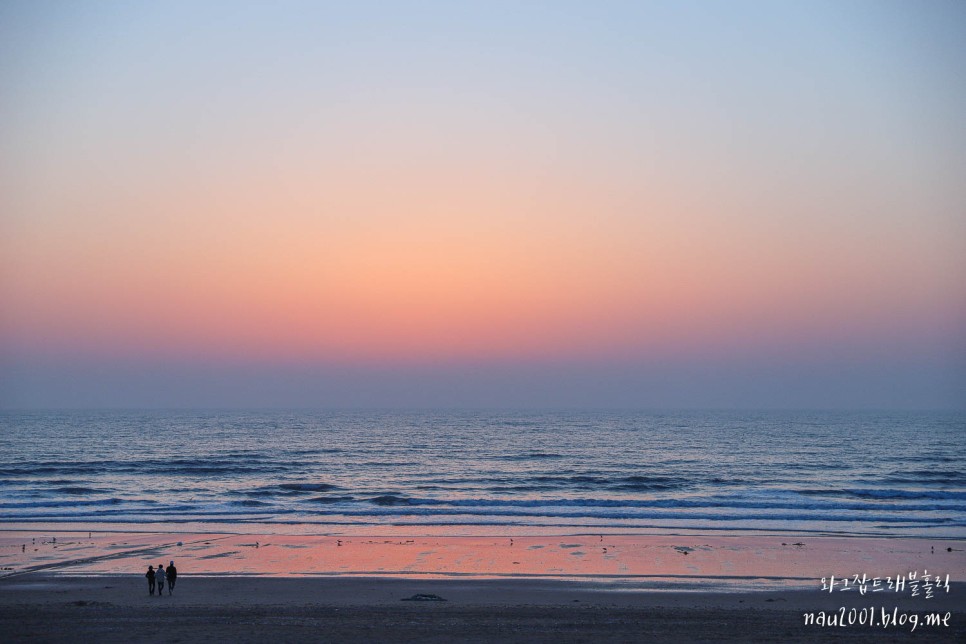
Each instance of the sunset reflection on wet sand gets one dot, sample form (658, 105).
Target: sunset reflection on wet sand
(659, 561)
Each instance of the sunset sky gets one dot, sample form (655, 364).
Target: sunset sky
(522, 204)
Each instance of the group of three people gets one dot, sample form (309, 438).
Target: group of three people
(159, 576)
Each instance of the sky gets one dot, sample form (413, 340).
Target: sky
(483, 204)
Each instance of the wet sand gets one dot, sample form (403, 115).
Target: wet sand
(698, 562)
(576, 588)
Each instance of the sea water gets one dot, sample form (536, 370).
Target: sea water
(482, 472)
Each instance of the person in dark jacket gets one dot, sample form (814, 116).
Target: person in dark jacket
(172, 574)
(150, 575)
(159, 576)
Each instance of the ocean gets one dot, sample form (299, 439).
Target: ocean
(485, 472)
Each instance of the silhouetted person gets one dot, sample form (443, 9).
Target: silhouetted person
(150, 575)
(159, 575)
(172, 575)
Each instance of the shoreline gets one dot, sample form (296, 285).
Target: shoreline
(301, 529)
(336, 529)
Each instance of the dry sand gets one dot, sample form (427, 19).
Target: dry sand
(45, 608)
(660, 588)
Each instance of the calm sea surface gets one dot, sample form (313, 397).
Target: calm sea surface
(486, 472)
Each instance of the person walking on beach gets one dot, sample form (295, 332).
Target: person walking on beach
(150, 575)
(159, 575)
(172, 575)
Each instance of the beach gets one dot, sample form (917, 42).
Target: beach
(90, 587)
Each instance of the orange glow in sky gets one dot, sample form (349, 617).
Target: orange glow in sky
(315, 184)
